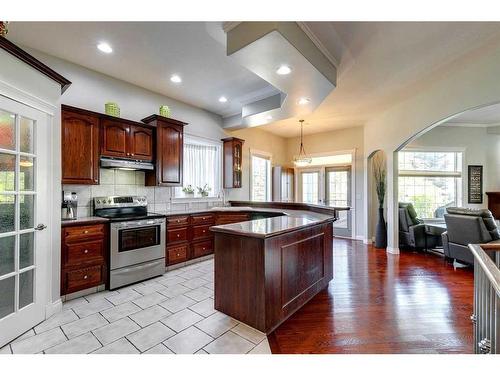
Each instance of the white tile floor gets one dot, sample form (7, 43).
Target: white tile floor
(170, 314)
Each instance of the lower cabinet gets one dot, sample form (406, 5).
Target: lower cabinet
(189, 236)
(84, 250)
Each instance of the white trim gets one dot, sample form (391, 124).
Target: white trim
(318, 43)
(367, 241)
(392, 250)
(52, 308)
(23, 97)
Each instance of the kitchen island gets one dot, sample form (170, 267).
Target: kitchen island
(266, 269)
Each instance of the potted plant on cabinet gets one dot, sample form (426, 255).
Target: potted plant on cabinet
(188, 191)
(379, 175)
(203, 191)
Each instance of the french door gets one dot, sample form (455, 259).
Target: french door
(330, 186)
(24, 213)
(338, 194)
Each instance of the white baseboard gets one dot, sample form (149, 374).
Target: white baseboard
(367, 241)
(53, 308)
(393, 250)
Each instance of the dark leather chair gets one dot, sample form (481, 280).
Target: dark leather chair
(467, 226)
(412, 229)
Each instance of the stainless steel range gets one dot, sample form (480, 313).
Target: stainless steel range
(137, 239)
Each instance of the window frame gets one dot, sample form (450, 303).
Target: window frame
(269, 157)
(177, 194)
(460, 185)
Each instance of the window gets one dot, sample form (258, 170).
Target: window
(201, 166)
(431, 181)
(310, 187)
(260, 177)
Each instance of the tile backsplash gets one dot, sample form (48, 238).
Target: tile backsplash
(120, 182)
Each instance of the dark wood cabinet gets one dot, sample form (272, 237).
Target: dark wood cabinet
(232, 162)
(124, 140)
(79, 147)
(84, 253)
(141, 143)
(169, 151)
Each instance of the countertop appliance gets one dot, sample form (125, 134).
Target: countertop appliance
(69, 206)
(137, 239)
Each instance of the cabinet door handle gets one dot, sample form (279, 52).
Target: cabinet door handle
(203, 248)
(85, 277)
(131, 154)
(85, 231)
(178, 221)
(85, 251)
(178, 255)
(178, 235)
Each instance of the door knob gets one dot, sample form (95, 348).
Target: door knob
(40, 227)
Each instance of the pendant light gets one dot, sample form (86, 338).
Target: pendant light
(302, 160)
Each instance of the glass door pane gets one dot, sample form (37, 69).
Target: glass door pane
(17, 212)
(338, 194)
(310, 186)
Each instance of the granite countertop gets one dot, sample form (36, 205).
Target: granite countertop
(263, 228)
(291, 219)
(84, 221)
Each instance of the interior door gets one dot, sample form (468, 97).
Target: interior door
(310, 186)
(24, 213)
(338, 194)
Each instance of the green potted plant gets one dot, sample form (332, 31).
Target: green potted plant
(203, 191)
(188, 190)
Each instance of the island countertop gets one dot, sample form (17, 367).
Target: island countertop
(293, 216)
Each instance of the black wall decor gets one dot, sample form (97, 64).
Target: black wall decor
(475, 185)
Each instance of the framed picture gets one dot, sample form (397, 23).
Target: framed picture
(475, 184)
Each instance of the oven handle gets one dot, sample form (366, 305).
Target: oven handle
(137, 268)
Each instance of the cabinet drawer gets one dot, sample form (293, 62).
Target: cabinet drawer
(203, 248)
(177, 254)
(84, 278)
(177, 235)
(202, 219)
(201, 231)
(85, 251)
(83, 232)
(177, 220)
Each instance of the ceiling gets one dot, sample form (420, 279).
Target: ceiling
(481, 117)
(378, 63)
(148, 53)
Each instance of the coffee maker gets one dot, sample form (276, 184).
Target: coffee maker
(69, 206)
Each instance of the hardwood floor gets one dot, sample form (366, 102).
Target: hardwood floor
(379, 303)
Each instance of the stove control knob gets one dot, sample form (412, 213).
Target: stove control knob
(109, 201)
(98, 201)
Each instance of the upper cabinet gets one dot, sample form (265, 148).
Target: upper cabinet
(121, 139)
(80, 147)
(232, 163)
(169, 151)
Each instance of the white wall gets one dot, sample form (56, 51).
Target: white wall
(466, 84)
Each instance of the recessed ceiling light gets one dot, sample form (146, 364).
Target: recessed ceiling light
(175, 78)
(104, 47)
(303, 101)
(222, 99)
(284, 70)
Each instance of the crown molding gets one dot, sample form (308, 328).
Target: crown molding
(318, 43)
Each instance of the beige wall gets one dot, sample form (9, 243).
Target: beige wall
(260, 140)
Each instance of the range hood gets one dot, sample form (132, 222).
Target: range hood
(133, 165)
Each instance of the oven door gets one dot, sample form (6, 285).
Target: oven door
(134, 242)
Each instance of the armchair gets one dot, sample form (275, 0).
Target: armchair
(412, 229)
(467, 226)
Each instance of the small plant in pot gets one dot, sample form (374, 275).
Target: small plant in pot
(188, 190)
(203, 191)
